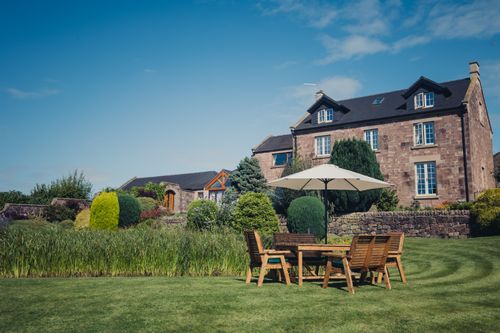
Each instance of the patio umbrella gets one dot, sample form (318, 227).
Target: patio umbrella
(328, 177)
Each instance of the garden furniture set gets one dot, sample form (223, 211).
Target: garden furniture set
(367, 254)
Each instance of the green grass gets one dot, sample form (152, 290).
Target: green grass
(454, 286)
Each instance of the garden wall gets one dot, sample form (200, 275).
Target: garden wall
(435, 223)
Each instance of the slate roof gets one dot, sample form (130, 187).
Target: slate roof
(362, 109)
(274, 143)
(187, 181)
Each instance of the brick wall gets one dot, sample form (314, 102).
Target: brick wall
(397, 155)
(444, 224)
(270, 171)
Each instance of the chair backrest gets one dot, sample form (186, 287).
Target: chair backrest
(377, 255)
(282, 240)
(255, 247)
(396, 242)
(360, 248)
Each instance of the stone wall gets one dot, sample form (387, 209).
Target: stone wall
(436, 223)
(266, 162)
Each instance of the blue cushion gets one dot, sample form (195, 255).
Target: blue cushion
(274, 260)
(337, 263)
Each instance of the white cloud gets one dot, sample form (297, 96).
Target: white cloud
(316, 13)
(337, 87)
(20, 94)
(409, 41)
(351, 47)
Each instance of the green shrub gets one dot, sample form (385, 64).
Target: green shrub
(147, 203)
(388, 200)
(460, 205)
(66, 224)
(130, 210)
(58, 213)
(82, 220)
(14, 197)
(307, 215)
(58, 252)
(486, 211)
(254, 211)
(105, 211)
(74, 186)
(202, 214)
(151, 190)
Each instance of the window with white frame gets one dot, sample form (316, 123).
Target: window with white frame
(424, 134)
(282, 159)
(325, 116)
(424, 100)
(371, 136)
(322, 145)
(425, 178)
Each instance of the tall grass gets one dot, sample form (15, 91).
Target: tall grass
(44, 252)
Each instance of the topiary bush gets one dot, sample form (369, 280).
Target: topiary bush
(105, 211)
(485, 211)
(130, 210)
(82, 220)
(307, 215)
(147, 203)
(388, 200)
(202, 214)
(254, 211)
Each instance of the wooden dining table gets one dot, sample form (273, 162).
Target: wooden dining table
(299, 250)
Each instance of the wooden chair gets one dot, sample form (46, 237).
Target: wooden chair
(395, 252)
(283, 241)
(264, 259)
(368, 254)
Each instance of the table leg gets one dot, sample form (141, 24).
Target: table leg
(300, 268)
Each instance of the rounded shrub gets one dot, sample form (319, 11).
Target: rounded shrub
(105, 211)
(147, 203)
(130, 210)
(82, 220)
(307, 215)
(202, 214)
(254, 211)
(486, 211)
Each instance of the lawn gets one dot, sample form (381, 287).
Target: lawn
(454, 285)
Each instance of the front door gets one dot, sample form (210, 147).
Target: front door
(169, 199)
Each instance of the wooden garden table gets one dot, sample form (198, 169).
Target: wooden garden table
(299, 250)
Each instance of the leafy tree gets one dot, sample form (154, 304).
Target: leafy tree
(150, 190)
(282, 197)
(202, 214)
(74, 186)
(14, 197)
(388, 200)
(248, 177)
(254, 211)
(355, 155)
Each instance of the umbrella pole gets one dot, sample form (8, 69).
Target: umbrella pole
(326, 210)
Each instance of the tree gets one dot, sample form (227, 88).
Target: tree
(74, 186)
(355, 155)
(388, 200)
(254, 211)
(248, 177)
(14, 197)
(283, 197)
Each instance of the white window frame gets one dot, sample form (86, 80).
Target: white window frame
(420, 100)
(425, 99)
(424, 134)
(323, 140)
(426, 179)
(323, 115)
(371, 140)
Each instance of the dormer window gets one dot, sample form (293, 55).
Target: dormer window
(325, 116)
(424, 100)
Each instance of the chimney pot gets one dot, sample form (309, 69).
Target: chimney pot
(474, 70)
(318, 94)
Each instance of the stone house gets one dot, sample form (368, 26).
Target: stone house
(181, 189)
(433, 141)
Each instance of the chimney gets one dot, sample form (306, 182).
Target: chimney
(474, 70)
(318, 94)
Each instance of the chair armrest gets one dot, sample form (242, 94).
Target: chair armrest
(276, 252)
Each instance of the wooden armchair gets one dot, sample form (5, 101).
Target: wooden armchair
(395, 252)
(284, 241)
(368, 254)
(264, 259)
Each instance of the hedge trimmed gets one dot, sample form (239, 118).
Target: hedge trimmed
(105, 211)
(130, 210)
(307, 215)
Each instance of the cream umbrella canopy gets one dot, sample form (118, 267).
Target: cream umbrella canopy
(328, 177)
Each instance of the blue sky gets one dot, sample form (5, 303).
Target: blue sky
(142, 88)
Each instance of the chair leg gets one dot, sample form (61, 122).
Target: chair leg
(328, 271)
(386, 279)
(249, 275)
(348, 276)
(401, 269)
(285, 271)
(261, 275)
(373, 278)
(362, 277)
(379, 277)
